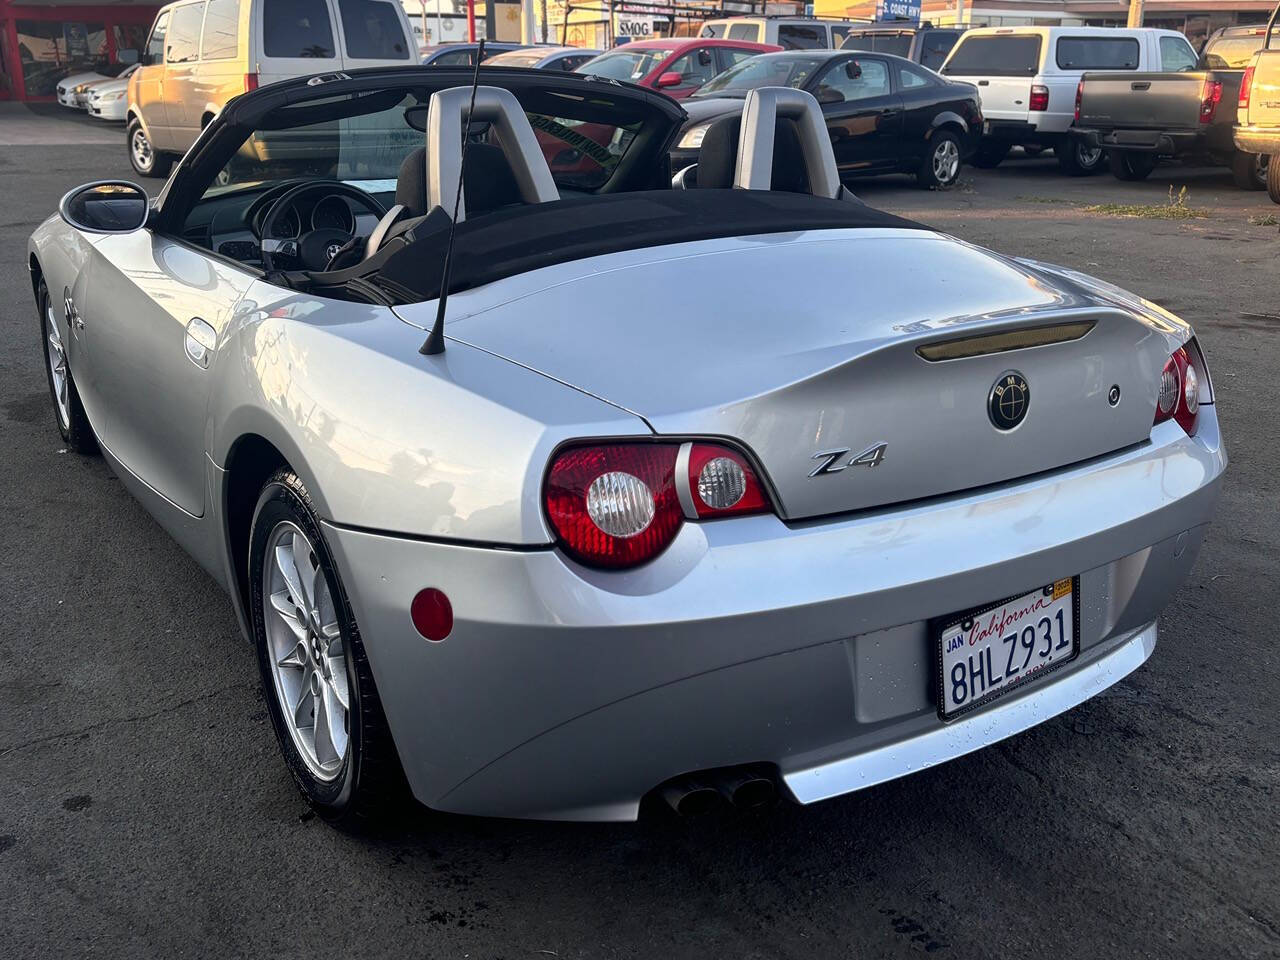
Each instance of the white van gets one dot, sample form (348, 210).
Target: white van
(1027, 79)
(201, 53)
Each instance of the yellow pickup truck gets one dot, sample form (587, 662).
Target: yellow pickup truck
(1258, 114)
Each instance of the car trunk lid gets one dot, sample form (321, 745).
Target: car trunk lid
(807, 349)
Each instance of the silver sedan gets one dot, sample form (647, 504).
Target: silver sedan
(583, 489)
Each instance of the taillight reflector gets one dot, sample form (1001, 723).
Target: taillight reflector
(618, 505)
(1246, 86)
(250, 82)
(1079, 97)
(1210, 95)
(1039, 97)
(1179, 396)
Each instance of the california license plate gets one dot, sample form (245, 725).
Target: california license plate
(987, 652)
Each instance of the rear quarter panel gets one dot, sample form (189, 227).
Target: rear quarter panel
(452, 446)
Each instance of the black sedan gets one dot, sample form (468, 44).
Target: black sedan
(885, 114)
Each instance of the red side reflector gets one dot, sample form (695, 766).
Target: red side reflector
(250, 82)
(1079, 97)
(432, 614)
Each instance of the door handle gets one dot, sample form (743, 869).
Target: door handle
(199, 342)
(984, 83)
(1140, 85)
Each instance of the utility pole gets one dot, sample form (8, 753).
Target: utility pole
(959, 11)
(1135, 13)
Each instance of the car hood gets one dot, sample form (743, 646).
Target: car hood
(805, 342)
(78, 78)
(111, 86)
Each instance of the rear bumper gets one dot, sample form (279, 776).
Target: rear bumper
(1168, 143)
(568, 693)
(1257, 139)
(1010, 131)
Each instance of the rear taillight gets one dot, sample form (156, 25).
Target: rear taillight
(1246, 85)
(250, 82)
(618, 505)
(1079, 97)
(1210, 95)
(1179, 397)
(1039, 97)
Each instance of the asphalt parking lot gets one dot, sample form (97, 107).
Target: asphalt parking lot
(144, 809)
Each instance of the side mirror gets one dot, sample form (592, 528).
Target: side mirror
(127, 55)
(669, 79)
(109, 206)
(852, 70)
(829, 95)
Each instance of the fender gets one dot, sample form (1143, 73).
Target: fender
(948, 117)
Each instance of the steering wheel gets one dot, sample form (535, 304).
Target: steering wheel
(315, 248)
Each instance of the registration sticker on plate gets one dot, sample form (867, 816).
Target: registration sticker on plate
(988, 651)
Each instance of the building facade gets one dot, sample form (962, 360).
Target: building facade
(41, 42)
(1196, 18)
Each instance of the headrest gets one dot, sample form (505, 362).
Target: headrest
(718, 156)
(488, 183)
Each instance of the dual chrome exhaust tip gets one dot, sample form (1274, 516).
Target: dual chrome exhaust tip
(705, 793)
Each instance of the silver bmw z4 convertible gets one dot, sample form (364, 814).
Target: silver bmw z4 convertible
(544, 482)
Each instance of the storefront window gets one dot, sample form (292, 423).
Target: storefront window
(49, 50)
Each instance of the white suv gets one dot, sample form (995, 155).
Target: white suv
(1027, 79)
(790, 33)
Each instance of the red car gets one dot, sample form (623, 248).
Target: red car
(677, 66)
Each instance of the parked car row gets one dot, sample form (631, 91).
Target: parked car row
(1258, 111)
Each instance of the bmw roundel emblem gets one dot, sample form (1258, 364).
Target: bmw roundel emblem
(1009, 400)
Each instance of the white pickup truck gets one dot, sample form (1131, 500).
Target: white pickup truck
(1258, 115)
(1027, 79)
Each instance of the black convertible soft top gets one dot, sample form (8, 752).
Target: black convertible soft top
(523, 238)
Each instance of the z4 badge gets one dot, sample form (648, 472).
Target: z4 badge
(832, 461)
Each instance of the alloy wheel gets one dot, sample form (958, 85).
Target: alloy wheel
(946, 161)
(56, 355)
(307, 652)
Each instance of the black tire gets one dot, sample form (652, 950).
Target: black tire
(1128, 165)
(989, 155)
(1249, 170)
(940, 167)
(1273, 178)
(370, 785)
(146, 162)
(73, 424)
(1076, 159)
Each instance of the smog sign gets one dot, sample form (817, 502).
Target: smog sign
(633, 27)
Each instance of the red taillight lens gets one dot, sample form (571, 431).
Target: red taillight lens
(615, 505)
(250, 82)
(1079, 97)
(1246, 86)
(1179, 396)
(1210, 95)
(722, 482)
(621, 504)
(1039, 97)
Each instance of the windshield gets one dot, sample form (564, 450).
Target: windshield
(630, 65)
(1231, 53)
(770, 70)
(371, 136)
(516, 58)
(899, 44)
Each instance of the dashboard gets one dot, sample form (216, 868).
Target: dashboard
(231, 224)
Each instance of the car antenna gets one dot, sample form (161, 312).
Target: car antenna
(435, 339)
